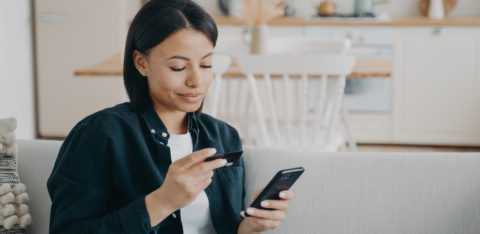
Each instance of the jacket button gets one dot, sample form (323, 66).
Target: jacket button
(174, 215)
(164, 134)
(152, 131)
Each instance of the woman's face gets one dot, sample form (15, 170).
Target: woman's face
(178, 70)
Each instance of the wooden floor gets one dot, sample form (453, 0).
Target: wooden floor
(414, 148)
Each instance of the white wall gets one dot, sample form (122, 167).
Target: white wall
(16, 71)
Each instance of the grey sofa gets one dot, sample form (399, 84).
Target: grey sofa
(366, 193)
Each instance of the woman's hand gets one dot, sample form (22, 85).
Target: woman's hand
(185, 179)
(261, 220)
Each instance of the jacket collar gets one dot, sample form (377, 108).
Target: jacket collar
(157, 128)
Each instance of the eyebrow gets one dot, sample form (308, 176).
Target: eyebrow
(187, 59)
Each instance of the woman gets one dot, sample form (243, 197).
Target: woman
(139, 167)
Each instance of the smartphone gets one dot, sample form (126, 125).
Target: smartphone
(283, 180)
(231, 157)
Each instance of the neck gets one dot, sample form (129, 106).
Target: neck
(175, 122)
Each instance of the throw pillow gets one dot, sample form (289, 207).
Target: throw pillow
(14, 215)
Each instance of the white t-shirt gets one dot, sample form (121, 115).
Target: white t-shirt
(196, 215)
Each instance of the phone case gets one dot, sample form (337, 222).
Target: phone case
(283, 180)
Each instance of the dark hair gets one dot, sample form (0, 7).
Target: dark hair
(157, 20)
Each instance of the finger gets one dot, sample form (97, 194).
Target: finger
(203, 184)
(275, 204)
(266, 224)
(205, 167)
(201, 177)
(260, 224)
(266, 214)
(286, 195)
(192, 179)
(196, 157)
(256, 193)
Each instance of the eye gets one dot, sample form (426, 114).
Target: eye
(206, 66)
(177, 69)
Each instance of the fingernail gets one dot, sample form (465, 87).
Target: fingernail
(250, 211)
(223, 162)
(283, 195)
(242, 213)
(212, 151)
(264, 204)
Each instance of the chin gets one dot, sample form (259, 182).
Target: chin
(190, 107)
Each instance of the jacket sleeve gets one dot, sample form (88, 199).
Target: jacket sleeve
(237, 146)
(80, 186)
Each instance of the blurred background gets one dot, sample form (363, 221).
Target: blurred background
(60, 61)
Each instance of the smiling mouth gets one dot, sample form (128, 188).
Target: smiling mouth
(190, 94)
(191, 97)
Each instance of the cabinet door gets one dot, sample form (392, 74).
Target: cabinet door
(71, 35)
(436, 83)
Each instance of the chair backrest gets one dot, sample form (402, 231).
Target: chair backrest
(307, 45)
(232, 45)
(238, 45)
(293, 116)
(220, 64)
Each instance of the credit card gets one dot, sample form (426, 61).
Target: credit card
(231, 157)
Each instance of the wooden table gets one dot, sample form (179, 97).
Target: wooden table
(363, 69)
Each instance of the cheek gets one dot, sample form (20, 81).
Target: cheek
(208, 78)
(164, 83)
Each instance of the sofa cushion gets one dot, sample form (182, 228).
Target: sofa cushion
(362, 193)
(370, 193)
(36, 159)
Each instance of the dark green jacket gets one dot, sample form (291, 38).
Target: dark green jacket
(112, 159)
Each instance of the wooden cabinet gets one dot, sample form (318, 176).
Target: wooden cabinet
(436, 86)
(70, 35)
(435, 83)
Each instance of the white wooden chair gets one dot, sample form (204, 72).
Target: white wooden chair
(235, 98)
(286, 115)
(316, 45)
(220, 64)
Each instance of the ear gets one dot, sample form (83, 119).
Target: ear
(140, 62)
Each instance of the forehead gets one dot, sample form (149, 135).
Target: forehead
(185, 42)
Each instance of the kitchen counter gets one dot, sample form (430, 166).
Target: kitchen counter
(364, 68)
(318, 21)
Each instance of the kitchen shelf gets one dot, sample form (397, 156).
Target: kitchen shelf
(401, 21)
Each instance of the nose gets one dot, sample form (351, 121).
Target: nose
(194, 79)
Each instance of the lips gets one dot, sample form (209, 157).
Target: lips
(190, 94)
(191, 97)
